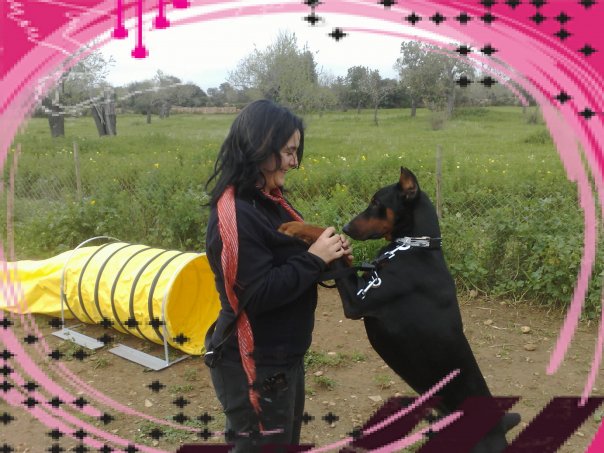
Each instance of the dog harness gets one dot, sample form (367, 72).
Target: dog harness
(403, 244)
(406, 243)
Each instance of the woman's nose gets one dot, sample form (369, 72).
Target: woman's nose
(291, 160)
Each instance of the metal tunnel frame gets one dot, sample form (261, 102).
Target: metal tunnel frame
(126, 352)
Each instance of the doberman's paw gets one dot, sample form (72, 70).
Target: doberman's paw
(307, 232)
(510, 420)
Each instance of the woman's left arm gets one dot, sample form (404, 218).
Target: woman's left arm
(261, 284)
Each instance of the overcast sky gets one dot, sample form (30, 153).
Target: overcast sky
(204, 53)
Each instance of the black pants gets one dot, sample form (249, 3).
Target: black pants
(281, 400)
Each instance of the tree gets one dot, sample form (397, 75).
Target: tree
(409, 66)
(396, 95)
(165, 94)
(283, 73)
(226, 94)
(190, 95)
(430, 76)
(375, 89)
(56, 120)
(325, 98)
(356, 84)
(80, 87)
(339, 89)
(159, 94)
(139, 97)
(364, 87)
(104, 115)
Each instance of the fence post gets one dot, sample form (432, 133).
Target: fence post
(10, 205)
(439, 161)
(76, 158)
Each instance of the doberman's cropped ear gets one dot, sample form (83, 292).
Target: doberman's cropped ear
(408, 184)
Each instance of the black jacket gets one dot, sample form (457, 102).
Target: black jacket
(276, 283)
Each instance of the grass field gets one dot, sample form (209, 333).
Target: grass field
(511, 223)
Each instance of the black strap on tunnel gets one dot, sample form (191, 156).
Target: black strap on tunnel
(117, 277)
(81, 300)
(134, 283)
(152, 290)
(98, 279)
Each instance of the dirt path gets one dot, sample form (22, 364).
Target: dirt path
(345, 377)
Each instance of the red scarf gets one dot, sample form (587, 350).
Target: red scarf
(227, 226)
(277, 197)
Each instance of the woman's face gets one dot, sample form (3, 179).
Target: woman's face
(275, 177)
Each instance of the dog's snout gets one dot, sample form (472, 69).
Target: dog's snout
(346, 229)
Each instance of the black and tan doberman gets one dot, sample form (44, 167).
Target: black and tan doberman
(411, 313)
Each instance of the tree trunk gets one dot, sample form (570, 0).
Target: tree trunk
(99, 119)
(164, 110)
(104, 117)
(413, 108)
(56, 122)
(113, 123)
(148, 117)
(375, 114)
(110, 117)
(359, 107)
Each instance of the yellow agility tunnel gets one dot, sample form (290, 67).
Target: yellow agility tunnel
(148, 292)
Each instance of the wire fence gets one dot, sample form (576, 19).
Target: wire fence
(523, 242)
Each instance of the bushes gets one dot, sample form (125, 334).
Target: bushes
(511, 224)
(530, 252)
(160, 218)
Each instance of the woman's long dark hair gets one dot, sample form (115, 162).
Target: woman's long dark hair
(260, 130)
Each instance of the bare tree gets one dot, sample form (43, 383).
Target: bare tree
(376, 89)
(81, 86)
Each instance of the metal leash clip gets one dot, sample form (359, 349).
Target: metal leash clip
(373, 283)
(401, 247)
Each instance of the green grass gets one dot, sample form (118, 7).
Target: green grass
(511, 223)
(175, 436)
(314, 360)
(100, 362)
(178, 389)
(325, 382)
(383, 381)
(191, 375)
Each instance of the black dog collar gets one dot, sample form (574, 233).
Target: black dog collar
(402, 244)
(405, 243)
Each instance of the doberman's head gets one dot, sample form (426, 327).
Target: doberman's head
(390, 213)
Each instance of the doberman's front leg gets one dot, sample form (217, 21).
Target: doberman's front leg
(305, 231)
(348, 287)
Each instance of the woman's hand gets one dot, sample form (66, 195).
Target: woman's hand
(347, 249)
(329, 246)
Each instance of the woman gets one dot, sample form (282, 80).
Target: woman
(267, 281)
